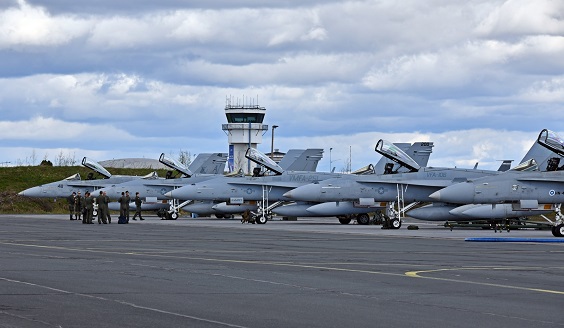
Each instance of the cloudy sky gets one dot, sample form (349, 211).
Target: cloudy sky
(134, 78)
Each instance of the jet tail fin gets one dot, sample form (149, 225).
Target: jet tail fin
(301, 159)
(209, 163)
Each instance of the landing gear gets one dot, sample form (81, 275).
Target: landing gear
(363, 219)
(345, 220)
(395, 223)
(261, 219)
(558, 230)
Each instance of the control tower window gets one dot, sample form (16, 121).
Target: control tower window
(244, 117)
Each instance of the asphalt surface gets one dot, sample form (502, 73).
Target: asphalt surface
(311, 273)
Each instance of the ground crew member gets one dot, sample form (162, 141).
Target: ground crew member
(71, 199)
(89, 205)
(106, 202)
(127, 201)
(101, 211)
(78, 204)
(138, 203)
(121, 202)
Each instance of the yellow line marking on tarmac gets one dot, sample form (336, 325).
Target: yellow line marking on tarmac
(411, 274)
(417, 274)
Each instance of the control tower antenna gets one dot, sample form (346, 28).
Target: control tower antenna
(244, 129)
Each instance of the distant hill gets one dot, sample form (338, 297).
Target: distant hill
(15, 179)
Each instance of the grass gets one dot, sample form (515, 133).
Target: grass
(18, 178)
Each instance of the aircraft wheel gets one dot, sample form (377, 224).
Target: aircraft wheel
(95, 213)
(219, 216)
(261, 219)
(558, 231)
(173, 215)
(363, 219)
(395, 224)
(345, 220)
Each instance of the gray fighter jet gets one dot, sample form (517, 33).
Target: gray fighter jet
(74, 183)
(529, 192)
(267, 190)
(152, 188)
(346, 195)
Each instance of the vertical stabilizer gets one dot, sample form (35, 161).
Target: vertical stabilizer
(301, 160)
(209, 163)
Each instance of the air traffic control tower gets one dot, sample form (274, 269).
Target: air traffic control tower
(244, 130)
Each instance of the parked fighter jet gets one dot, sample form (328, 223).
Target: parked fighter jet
(65, 187)
(348, 194)
(294, 160)
(268, 190)
(530, 192)
(152, 188)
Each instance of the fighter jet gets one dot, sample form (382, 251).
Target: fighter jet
(152, 188)
(266, 189)
(295, 159)
(349, 194)
(530, 192)
(65, 187)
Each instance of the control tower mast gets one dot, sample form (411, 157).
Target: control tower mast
(244, 129)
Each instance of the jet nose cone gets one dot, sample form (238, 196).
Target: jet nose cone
(460, 193)
(32, 192)
(168, 194)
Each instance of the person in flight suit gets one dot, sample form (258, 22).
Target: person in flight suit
(101, 211)
(71, 199)
(89, 205)
(127, 201)
(138, 203)
(121, 202)
(106, 202)
(78, 204)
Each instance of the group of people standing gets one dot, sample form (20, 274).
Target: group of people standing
(79, 205)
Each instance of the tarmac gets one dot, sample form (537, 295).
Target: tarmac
(203, 272)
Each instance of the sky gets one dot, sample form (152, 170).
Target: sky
(136, 78)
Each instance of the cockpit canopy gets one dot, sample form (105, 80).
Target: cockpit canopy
(263, 160)
(93, 165)
(175, 165)
(552, 141)
(394, 153)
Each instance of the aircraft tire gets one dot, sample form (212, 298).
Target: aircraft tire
(173, 216)
(395, 224)
(344, 220)
(363, 219)
(261, 219)
(219, 216)
(95, 213)
(558, 231)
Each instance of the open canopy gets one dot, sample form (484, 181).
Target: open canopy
(175, 165)
(261, 159)
(95, 166)
(394, 153)
(552, 141)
